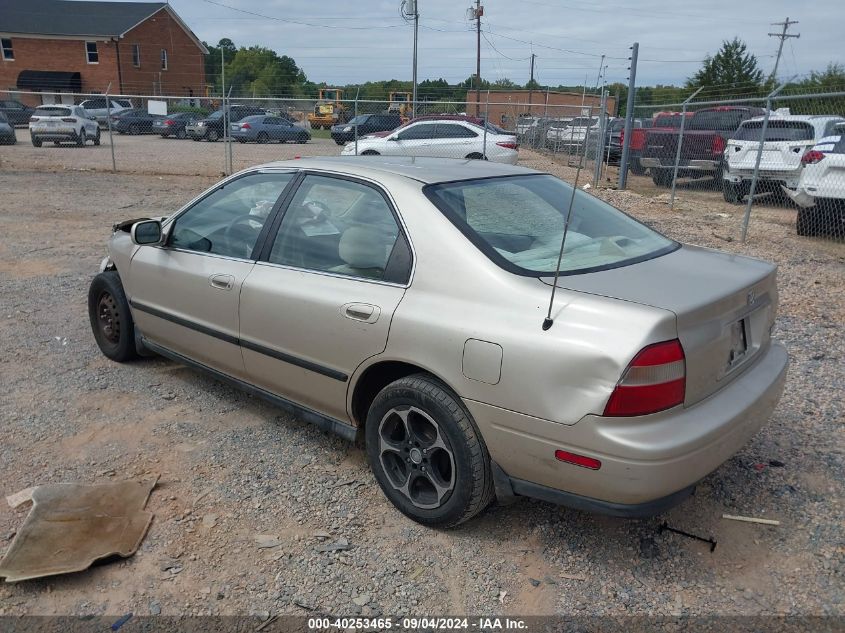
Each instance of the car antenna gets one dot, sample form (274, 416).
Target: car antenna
(548, 321)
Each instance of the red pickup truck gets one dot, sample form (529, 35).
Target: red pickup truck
(706, 134)
(662, 121)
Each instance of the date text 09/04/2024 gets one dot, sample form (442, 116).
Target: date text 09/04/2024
(417, 623)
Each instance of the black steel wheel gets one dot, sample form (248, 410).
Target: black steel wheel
(426, 452)
(111, 320)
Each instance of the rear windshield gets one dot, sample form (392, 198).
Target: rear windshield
(52, 111)
(518, 221)
(718, 120)
(776, 131)
(668, 121)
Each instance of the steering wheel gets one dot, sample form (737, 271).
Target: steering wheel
(318, 210)
(241, 236)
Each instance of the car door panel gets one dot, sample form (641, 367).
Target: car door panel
(188, 303)
(298, 340)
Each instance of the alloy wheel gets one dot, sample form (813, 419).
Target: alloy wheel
(416, 456)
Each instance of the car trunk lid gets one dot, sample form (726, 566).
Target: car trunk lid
(724, 305)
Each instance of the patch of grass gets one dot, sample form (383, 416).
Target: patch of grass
(320, 133)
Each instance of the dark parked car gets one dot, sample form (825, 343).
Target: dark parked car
(366, 124)
(7, 131)
(261, 128)
(211, 127)
(174, 124)
(135, 121)
(16, 112)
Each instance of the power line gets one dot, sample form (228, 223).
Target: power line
(301, 23)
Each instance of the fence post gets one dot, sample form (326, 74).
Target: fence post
(629, 118)
(486, 121)
(227, 134)
(108, 123)
(355, 116)
(680, 142)
(760, 146)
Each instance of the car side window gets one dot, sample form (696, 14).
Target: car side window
(338, 226)
(228, 220)
(450, 130)
(418, 132)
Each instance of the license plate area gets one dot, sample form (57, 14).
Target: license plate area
(739, 343)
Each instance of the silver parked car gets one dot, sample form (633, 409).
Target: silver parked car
(261, 128)
(407, 300)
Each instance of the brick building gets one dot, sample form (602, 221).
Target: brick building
(62, 46)
(511, 104)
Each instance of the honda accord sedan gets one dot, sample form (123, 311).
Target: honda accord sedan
(409, 302)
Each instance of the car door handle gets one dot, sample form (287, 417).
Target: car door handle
(365, 312)
(222, 282)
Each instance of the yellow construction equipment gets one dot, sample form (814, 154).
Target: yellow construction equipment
(329, 109)
(400, 103)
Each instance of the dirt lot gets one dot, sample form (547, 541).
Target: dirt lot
(233, 468)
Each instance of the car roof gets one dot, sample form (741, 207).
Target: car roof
(426, 170)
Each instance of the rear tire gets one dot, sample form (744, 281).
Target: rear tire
(36, 142)
(134, 130)
(262, 138)
(212, 136)
(734, 192)
(80, 138)
(808, 221)
(111, 320)
(662, 177)
(427, 454)
(97, 138)
(369, 152)
(180, 134)
(475, 156)
(636, 168)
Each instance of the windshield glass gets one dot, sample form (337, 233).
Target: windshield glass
(718, 120)
(52, 111)
(776, 131)
(358, 120)
(216, 114)
(517, 221)
(672, 120)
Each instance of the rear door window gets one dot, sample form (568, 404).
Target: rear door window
(451, 130)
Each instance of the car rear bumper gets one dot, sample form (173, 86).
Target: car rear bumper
(787, 177)
(686, 165)
(55, 135)
(644, 460)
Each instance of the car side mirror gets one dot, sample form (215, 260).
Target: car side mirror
(394, 138)
(146, 232)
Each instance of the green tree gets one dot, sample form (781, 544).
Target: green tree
(731, 71)
(212, 60)
(260, 71)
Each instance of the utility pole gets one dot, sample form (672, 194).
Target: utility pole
(629, 117)
(782, 36)
(411, 10)
(531, 83)
(475, 14)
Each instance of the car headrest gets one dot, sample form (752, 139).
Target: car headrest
(361, 247)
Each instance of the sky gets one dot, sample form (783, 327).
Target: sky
(353, 42)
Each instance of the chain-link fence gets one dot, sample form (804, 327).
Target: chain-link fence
(153, 134)
(781, 155)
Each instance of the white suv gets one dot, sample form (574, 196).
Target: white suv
(787, 138)
(60, 123)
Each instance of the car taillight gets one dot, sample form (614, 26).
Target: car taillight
(812, 157)
(168, 122)
(655, 380)
(508, 145)
(622, 137)
(718, 144)
(246, 126)
(68, 119)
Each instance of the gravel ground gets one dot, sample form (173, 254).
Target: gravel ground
(237, 473)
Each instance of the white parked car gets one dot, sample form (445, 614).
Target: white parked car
(440, 139)
(100, 110)
(572, 133)
(60, 123)
(820, 193)
(787, 139)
